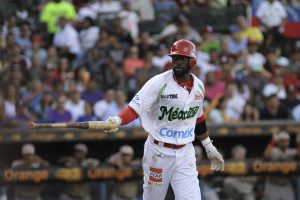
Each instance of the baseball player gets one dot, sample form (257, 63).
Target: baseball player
(170, 107)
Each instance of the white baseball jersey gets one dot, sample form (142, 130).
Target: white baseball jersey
(168, 111)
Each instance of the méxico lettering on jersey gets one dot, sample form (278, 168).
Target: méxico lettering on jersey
(174, 113)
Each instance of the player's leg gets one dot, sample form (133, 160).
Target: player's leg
(184, 179)
(157, 172)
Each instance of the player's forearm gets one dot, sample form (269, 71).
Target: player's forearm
(127, 115)
(202, 136)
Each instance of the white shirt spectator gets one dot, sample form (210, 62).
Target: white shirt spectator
(271, 89)
(87, 11)
(88, 37)
(145, 9)
(296, 113)
(271, 14)
(129, 21)
(100, 108)
(76, 110)
(108, 9)
(10, 109)
(256, 61)
(235, 106)
(68, 37)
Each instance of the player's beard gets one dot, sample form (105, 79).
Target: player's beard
(181, 72)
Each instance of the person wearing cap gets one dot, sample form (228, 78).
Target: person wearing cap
(280, 188)
(77, 191)
(239, 188)
(209, 42)
(125, 190)
(31, 161)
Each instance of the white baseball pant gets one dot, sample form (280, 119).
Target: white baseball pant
(163, 166)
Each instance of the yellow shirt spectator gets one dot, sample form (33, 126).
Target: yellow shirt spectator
(55, 9)
(253, 34)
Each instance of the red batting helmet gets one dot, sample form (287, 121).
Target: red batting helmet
(184, 48)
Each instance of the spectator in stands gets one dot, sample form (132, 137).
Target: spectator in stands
(75, 105)
(242, 87)
(236, 44)
(58, 113)
(148, 71)
(117, 106)
(248, 32)
(280, 188)
(75, 191)
(108, 9)
(89, 34)
(235, 103)
(113, 76)
(66, 39)
(55, 9)
(161, 57)
(29, 161)
(273, 109)
(209, 41)
(10, 27)
(239, 188)
(250, 113)
(186, 31)
(296, 113)
(116, 49)
(145, 44)
(63, 74)
(257, 76)
(45, 104)
(33, 96)
(126, 190)
(24, 39)
(213, 87)
(271, 15)
(144, 9)
(290, 78)
(87, 9)
(129, 20)
(52, 55)
(276, 86)
(132, 62)
(88, 114)
(101, 106)
(36, 49)
(92, 93)
(271, 56)
(23, 117)
(11, 98)
(219, 112)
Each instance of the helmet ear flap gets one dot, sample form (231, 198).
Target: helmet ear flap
(193, 62)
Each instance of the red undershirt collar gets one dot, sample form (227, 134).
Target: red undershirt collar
(186, 85)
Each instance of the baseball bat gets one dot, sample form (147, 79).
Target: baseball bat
(101, 125)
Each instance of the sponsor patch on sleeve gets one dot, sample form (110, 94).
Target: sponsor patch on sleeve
(155, 177)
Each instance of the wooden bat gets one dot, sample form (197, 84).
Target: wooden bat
(101, 125)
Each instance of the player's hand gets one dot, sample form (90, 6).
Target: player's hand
(116, 121)
(216, 159)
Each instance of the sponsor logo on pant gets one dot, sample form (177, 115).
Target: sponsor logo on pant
(155, 177)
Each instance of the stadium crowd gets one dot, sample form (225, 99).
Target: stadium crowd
(63, 61)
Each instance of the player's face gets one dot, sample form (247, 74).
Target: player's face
(180, 65)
